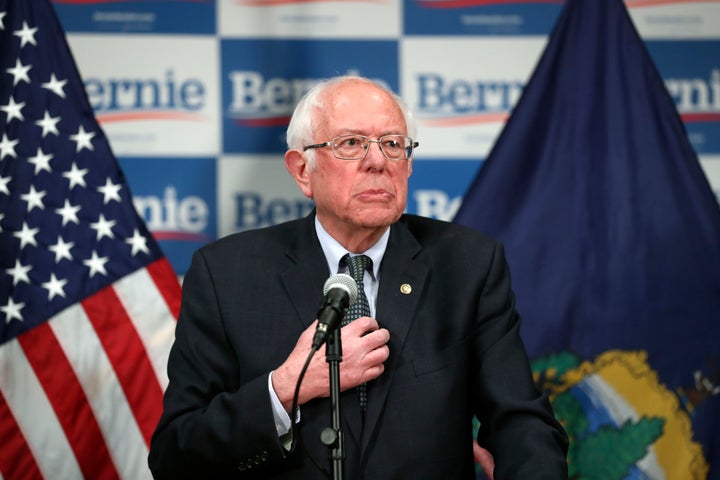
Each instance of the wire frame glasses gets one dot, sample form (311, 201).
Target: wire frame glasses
(355, 147)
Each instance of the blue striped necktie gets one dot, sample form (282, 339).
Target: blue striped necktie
(361, 308)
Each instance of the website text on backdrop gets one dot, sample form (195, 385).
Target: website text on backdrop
(441, 344)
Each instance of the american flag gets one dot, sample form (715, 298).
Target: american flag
(87, 300)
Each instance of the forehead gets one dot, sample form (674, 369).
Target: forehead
(360, 108)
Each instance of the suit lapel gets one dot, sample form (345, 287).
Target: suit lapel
(402, 280)
(306, 272)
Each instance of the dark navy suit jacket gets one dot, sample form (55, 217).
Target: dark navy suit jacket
(455, 352)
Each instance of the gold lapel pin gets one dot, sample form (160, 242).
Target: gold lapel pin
(405, 288)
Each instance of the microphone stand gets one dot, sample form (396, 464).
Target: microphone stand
(332, 437)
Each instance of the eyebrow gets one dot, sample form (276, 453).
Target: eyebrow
(363, 132)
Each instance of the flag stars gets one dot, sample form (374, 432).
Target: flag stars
(83, 139)
(27, 235)
(4, 185)
(138, 243)
(55, 287)
(76, 176)
(48, 124)
(12, 310)
(96, 264)
(19, 72)
(68, 213)
(56, 86)
(103, 227)
(2, 20)
(7, 147)
(34, 199)
(26, 34)
(13, 110)
(62, 250)
(19, 272)
(111, 191)
(41, 161)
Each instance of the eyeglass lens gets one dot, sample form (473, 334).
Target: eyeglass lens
(352, 147)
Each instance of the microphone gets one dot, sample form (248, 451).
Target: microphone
(340, 292)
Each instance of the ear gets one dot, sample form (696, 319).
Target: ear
(410, 166)
(297, 164)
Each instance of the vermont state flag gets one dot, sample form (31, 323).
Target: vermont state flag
(612, 234)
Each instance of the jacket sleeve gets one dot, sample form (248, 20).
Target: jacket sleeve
(517, 424)
(212, 420)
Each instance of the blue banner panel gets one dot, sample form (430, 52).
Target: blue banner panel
(176, 197)
(437, 186)
(691, 72)
(159, 16)
(479, 17)
(262, 81)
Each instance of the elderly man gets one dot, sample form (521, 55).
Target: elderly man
(438, 344)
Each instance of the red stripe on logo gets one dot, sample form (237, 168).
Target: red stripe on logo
(479, 3)
(145, 116)
(182, 236)
(90, 2)
(496, 117)
(700, 117)
(653, 3)
(262, 122)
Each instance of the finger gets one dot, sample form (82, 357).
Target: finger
(371, 373)
(377, 356)
(362, 325)
(376, 338)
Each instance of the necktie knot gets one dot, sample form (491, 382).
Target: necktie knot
(357, 265)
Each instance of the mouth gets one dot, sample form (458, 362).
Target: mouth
(375, 195)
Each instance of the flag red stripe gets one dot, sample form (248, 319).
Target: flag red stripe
(126, 352)
(69, 402)
(16, 459)
(166, 280)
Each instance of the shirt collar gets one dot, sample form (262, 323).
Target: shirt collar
(334, 251)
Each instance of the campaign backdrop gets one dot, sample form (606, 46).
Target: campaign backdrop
(195, 96)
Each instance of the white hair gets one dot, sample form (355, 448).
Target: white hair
(302, 123)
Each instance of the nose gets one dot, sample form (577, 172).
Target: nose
(375, 155)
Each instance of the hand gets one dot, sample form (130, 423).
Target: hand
(364, 347)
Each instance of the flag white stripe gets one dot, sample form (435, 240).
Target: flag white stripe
(34, 415)
(97, 377)
(151, 316)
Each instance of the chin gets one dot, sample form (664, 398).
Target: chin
(375, 218)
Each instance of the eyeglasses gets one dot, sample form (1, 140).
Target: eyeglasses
(355, 147)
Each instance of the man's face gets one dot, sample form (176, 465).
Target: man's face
(358, 194)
